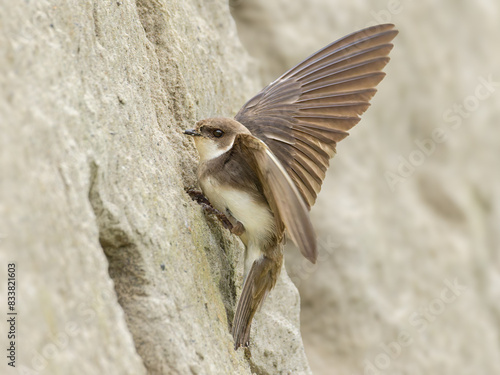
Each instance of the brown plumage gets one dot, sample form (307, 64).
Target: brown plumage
(303, 114)
(264, 169)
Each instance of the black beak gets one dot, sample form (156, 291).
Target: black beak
(191, 132)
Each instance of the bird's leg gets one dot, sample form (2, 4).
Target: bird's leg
(238, 229)
(198, 196)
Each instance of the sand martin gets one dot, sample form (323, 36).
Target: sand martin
(263, 169)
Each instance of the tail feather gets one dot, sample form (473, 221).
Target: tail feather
(260, 280)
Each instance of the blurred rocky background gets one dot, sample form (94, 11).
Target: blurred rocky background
(408, 280)
(119, 272)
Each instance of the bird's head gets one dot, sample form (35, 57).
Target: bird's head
(215, 136)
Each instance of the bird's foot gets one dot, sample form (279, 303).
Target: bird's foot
(198, 196)
(238, 229)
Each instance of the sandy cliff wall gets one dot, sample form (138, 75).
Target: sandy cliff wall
(118, 271)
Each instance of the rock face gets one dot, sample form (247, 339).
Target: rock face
(118, 271)
(408, 276)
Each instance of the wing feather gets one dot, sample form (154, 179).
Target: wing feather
(303, 114)
(282, 194)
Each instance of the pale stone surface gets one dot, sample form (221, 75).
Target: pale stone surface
(391, 248)
(119, 272)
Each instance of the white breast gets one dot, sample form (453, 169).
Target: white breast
(255, 217)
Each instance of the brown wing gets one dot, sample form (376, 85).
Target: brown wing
(303, 114)
(281, 193)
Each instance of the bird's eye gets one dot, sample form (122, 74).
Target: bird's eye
(218, 133)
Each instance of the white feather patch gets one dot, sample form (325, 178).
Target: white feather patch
(209, 149)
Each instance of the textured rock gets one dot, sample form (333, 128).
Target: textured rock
(119, 272)
(379, 300)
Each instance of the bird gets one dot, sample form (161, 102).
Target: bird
(262, 170)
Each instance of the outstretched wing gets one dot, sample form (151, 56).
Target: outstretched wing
(303, 114)
(281, 193)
